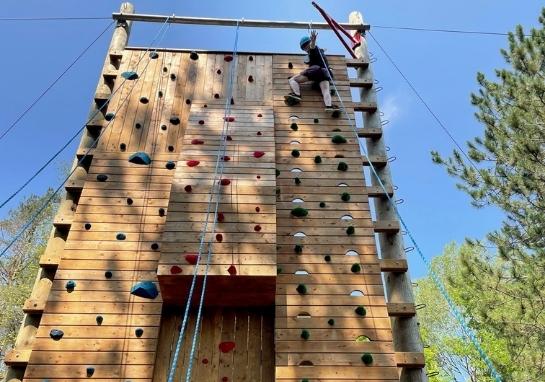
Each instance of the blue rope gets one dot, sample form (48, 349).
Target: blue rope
(54, 194)
(215, 190)
(453, 308)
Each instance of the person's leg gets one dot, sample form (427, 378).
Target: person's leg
(324, 87)
(295, 81)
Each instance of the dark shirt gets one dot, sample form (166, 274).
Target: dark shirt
(316, 59)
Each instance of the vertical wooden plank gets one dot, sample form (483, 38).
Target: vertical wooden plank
(151, 128)
(251, 70)
(227, 334)
(267, 89)
(254, 346)
(241, 346)
(217, 314)
(240, 78)
(180, 94)
(268, 362)
(219, 78)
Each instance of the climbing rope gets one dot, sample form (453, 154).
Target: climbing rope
(161, 33)
(453, 308)
(218, 170)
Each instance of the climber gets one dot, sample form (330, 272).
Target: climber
(318, 72)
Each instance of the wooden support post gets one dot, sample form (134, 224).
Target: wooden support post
(398, 284)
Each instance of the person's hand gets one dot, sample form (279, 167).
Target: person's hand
(313, 35)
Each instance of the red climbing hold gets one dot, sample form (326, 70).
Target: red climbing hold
(201, 122)
(197, 142)
(191, 258)
(258, 154)
(175, 270)
(192, 163)
(257, 228)
(221, 217)
(225, 182)
(259, 115)
(258, 177)
(219, 237)
(205, 361)
(229, 118)
(228, 138)
(225, 379)
(226, 158)
(188, 188)
(226, 347)
(232, 270)
(257, 209)
(228, 58)
(259, 133)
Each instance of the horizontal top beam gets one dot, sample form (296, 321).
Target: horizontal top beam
(232, 22)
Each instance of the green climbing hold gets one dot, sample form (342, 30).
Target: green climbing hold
(108, 274)
(360, 311)
(153, 55)
(140, 157)
(316, 120)
(322, 204)
(297, 181)
(301, 289)
(129, 75)
(345, 197)
(356, 268)
(120, 236)
(90, 371)
(70, 285)
(342, 166)
(138, 332)
(298, 248)
(327, 258)
(295, 153)
(145, 289)
(109, 116)
(350, 231)
(56, 334)
(367, 358)
(277, 172)
(317, 159)
(331, 322)
(278, 270)
(299, 212)
(294, 126)
(305, 334)
(338, 139)
(337, 130)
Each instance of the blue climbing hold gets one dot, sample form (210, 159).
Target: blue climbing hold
(145, 289)
(90, 371)
(120, 236)
(170, 165)
(56, 334)
(140, 158)
(129, 75)
(153, 55)
(70, 285)
(138, 332)
(109, 116)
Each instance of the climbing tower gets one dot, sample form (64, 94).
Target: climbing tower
(194, 176)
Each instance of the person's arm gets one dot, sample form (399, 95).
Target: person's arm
(313, 36)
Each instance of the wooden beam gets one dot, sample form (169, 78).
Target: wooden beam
(386, 226)
(360, 82)
(357, 63)
(377, 161)
(365, 107)
(392, 265)
(17, 357)
(398, 309)
(410, 360)
(378, 192)
(232, 22)
(372, 133)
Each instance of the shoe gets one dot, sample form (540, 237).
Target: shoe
(295, 96)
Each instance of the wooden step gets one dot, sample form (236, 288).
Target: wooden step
(369, 107)
(357, 63)
(410, 360)
(386, 226)
(377, 161)
(392, 265)
(360, 83)
(378, 191)
(17, 357)
(373, 133)
(401, 309)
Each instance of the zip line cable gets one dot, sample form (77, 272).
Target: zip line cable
(52, 18)
(438, 283)
(14, 123)
(220, 163)
(46, 203)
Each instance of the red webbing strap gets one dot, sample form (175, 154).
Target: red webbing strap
(336, 27)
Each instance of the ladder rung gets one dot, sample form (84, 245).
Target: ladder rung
(357, 63)
(373, 133)
(17, 357)
(378, 192)
(370, 107)
(392, 265)
(360, 82)
(377, 161)
(386, 226)
(397, 309)
(410, 360)
(32, 306)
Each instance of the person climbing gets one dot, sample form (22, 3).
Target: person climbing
(318, 71)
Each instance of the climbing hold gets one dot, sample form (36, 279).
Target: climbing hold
(188, 101)
(336, 130)
(90, 371)
(191, 258)
(155, 246)
(298, 248)
(56, 334)
(317, 159)
(367, 358)
(332, 92)
(99, 319)
(228, 138)
(171, 148)
(163, 127)
(331, 322)
(294, 126)
(232, 270)
(259, 133)
(145, 289)
(258, 154)
(345, 197)
(172, 76)
(219, 237)
(205, 105)
(140, 157)
(339, 156)
(87, 226)
(216, 96)
(305, 334)
(194, 55)
(188, 188)
(144, 100)
(197, 142)
(170, 165)
(342, 166)
(226, 158)
(250, 79)
(109, 116)
(137, 126)
(316, 120)
(257, 228)
(355, 268)
(257, 209)
(259, 115)
(192, 163)
(290, 65)
(160, 94)
(201, 122)
(229, 118)
(205, 361)
(220, 217)
(218, 71)
(122, 146)
(251, 58)
(175, 270)
(225, 182)
(322, 204)
(350, 231)
(297, 181)
(120, 236)
(129, 75)
(228, 58)
(360, 311)
(301, 289)
(174, 120)
(153, 55)
(299, 212)
(232, 101)
(70, 285)
(226, 347)
(129, 201)
(161, 212)
(338, 139)
(224, 379)
(327, 258)
(108, 274)
(102, 177)
(295, 153)
(278, 270)
(138, 332)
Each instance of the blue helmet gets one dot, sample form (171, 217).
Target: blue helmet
(304, 41)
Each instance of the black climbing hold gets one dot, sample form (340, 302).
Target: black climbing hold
(355, 268)
(327, 258)
(171, 148)
(336, 130)
(108, 274)
(339, 156)
(129, 201)
(305, 334)
(331, 322)
(170, 165)
(99, 319)
(120, 236)
(322, 204)
(70, 285)
(144, 100)
(155, 246)
(218, 71)
(172, 76)
(342, 166)
(297, 181)
(165, 69)
(153, 55)
(294, 126)
(137, 126)
(290, 65)
(160, 94)
(122, 146)
(350, 231)
(317, 159)
(251, 58)
(278, 270)
(298, 248)
(232, 101)
(338, 139)
(174, 120)
(163, 127)
(109, 116)
(90, 371)
(102, 177)
(332, 92)
(360, 311)
(301, 289)
(188, 101)
(145, 289)
(295, 153)
(87, 226)
(161, 212)
(129, 75)
(277, 172)
(299, 212)
(138, 332)
(194, 55)
(56, 334)
(367, 358)
(216, 96)
(316, 120)
(345, 197)
(250, 78)
(140, 157)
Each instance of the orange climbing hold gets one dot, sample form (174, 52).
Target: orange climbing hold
(229, 118)
(192, 163)
(197, 142)
(175, 270)
(226, 347)
(257, 209)
(228, 58)
(225, 182)
(188, 188)
(257, 228)
(221, 217)
(232, 270)
(191, 258)
(205, 361)
(258, 154)
(219, 237)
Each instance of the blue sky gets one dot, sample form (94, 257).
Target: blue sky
(441, 66)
